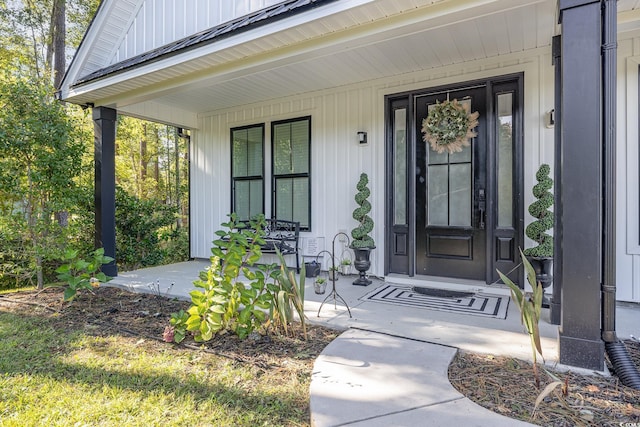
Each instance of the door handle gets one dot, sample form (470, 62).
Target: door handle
(482, 206)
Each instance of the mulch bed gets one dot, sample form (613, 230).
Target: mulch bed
(111, 310)
(506, 386)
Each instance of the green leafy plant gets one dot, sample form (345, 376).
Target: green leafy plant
(539, 209)
(223, 302)
(360, 234)
(287, 297)
(530, 306)
(80, 274)
(345, 261)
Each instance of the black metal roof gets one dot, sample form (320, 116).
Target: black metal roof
(253, 20)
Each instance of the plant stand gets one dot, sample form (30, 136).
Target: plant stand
(334, 295)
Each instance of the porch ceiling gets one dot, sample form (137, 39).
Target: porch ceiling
(371, 40)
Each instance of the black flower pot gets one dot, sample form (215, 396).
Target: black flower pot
(543, 266)
(362, 264)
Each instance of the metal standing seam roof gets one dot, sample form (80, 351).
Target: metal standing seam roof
(253, 20)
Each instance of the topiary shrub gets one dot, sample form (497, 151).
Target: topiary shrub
(360, 234)
(537, 230)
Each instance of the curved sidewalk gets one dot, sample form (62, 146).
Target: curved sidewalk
(366, 378)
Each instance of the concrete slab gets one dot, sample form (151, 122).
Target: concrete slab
(366, 378)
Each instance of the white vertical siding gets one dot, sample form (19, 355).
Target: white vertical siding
(337, 159)
(159, 22)
(628, 175)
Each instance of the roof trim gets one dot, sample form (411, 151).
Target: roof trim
(239, 25)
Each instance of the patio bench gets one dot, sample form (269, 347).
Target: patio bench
(283, 235)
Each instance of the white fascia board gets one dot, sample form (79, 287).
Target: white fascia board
(437, 9)
(68, 92)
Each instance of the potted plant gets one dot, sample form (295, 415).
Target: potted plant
(541, 255)
(333, 273)
(362, 244)
(345, 266)
(320, 285)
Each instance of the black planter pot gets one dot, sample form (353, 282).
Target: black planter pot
(362, 264)
(543, 266)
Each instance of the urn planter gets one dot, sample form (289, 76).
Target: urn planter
(362, 263)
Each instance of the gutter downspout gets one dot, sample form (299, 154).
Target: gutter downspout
(624, 367)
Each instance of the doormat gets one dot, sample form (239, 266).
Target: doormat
(475, 304)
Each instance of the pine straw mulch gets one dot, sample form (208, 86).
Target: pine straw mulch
(506, 386)
(111, 310)
(503, 385)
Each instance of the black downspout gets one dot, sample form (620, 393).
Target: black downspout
(555, 307)
(623, 366)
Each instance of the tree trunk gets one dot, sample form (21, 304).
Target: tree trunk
(59, 41)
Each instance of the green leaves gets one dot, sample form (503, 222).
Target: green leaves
(530, 306)
(80, 274)
(539, 209)
(223, 301)
(360, 234)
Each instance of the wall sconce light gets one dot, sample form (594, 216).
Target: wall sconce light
(362, 137)
(550, 119)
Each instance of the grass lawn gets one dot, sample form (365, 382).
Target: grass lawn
(55, 372)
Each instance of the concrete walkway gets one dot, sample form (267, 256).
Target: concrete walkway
(389, 367)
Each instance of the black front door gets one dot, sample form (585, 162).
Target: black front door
(451, 196)
(456, 215)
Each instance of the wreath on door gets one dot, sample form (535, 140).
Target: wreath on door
(449, 126)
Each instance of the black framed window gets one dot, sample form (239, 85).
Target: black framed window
(291, 156)
(247, 171)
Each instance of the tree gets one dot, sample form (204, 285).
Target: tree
(40, 156)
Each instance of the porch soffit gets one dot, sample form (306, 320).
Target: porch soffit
(370, 40)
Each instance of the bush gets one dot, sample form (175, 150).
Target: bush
(139, 224)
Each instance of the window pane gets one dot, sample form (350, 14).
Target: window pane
(239, 153)
(248, 198)
(241, 199)
(292, 200)
(300, 138)
(256, 192)
(247, 162)
(247, 152)
(438, 195)
(505, 160)
(460, 195)
(291, 158)
(254, 152)
(301, 201)
(400, 167)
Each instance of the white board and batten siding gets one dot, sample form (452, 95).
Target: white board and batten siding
(337, 158)
(159, 22)
(628, 169)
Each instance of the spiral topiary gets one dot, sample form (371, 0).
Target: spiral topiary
(360, 234)
(539, 209)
